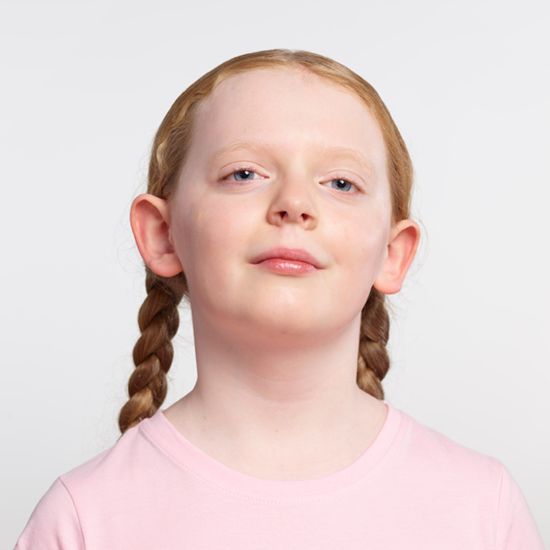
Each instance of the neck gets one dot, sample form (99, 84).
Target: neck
(289, 400)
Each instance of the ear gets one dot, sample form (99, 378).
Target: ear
(150, 220)
(402, 247)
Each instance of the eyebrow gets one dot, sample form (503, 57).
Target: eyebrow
(252, 146)
(336, 153)
(347, 153)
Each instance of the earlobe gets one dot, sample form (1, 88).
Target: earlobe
(402, 247)
(150, 220)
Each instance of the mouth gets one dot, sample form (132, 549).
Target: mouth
(288, 261)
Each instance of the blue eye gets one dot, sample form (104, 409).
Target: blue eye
(341, 185)
(244, 175)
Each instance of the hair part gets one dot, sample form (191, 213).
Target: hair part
(158, 317)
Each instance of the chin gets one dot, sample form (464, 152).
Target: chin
(265, 315)
(299, 325)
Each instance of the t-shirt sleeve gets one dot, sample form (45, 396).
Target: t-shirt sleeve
(516, 528)
(54, 524)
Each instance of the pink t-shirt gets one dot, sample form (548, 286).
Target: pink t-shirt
(412, 489)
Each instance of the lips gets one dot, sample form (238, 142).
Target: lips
(287, 256)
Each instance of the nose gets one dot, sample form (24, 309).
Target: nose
(293, 203)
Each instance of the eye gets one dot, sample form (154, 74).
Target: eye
(341, 184)
(243, 175)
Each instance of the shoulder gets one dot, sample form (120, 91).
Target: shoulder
(427, 448)
(77, 497)
(467, 482)
(428, 467)
(54, 519)
(136, 457)
(111, 462)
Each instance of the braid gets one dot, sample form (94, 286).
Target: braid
(373, 361)
(158, 321)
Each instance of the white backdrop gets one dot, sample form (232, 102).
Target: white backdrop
(85, 85)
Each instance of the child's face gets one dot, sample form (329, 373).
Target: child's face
(292, 140)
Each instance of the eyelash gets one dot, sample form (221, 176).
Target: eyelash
(253, 170)
(347, 180)
(241, 169)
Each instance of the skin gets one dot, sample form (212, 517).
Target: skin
(276, 395)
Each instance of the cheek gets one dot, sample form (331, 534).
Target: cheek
(210, 232)
(362, 246)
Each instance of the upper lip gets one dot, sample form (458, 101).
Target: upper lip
(288, 254)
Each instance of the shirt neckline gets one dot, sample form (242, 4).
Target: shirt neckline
(161, 433)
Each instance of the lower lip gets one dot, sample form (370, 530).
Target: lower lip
(287, 267)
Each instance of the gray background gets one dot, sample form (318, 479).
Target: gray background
(85, 85)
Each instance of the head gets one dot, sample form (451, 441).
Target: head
(176, 140)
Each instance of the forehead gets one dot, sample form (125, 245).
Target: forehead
(292, 109)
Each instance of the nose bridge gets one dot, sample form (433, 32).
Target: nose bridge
(293, 201)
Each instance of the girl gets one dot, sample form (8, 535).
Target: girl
(278, 205)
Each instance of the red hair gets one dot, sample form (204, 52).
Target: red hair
(158, 316)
